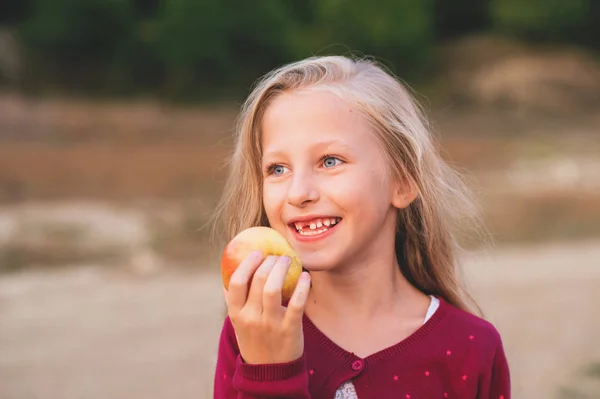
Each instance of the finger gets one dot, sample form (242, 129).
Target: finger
(258, 282)
(238, 283)
(274, 284)
(297, 304)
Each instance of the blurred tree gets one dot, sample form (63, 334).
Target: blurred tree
(137, 65)
(460, 17)
(398, 33)
(551, 20)
(217, 43)
(209, 48)
(74, 40)
(12, 12)
(146, 8)
(192, 41)
(590, 34)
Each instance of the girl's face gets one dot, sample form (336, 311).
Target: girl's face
(324, 181)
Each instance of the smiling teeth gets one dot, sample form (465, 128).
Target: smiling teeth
(312, 232)
(316, 224)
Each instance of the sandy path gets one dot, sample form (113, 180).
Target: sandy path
(90, 333)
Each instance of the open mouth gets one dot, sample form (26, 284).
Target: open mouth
(316, 226)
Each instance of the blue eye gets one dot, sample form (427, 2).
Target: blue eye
(330, 162)
(276, 170)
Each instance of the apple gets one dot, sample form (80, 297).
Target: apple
(270, 242)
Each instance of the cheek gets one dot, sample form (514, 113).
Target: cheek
(363, 194)
(273, 200)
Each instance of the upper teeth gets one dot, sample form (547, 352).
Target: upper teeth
(316, 224)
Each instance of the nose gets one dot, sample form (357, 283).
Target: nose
(302, 190)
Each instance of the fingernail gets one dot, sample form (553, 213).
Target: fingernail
(256, 255)
(286, 259)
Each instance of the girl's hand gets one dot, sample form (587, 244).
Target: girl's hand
(266, 331)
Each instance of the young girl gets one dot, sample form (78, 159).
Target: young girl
(334, 154)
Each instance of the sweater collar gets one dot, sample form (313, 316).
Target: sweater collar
(422, 332)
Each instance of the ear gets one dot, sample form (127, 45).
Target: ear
(404, 194)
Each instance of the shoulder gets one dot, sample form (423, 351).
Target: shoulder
(469, 322)
(475, 343)
(472, 328)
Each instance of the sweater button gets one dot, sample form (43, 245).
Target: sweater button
(357, 365)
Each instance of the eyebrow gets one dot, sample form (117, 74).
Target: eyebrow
(320, 145)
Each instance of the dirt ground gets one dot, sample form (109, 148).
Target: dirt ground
(90, 332)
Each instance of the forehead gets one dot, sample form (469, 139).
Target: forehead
(308, 118)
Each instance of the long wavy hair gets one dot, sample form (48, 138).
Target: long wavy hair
(427, 247)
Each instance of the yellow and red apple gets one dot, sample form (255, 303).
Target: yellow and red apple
(270, 242)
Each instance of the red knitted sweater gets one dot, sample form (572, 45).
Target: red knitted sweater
(453, 355)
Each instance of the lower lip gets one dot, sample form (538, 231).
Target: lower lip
(315, 237)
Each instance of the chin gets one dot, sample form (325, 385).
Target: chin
(315, 263)
(316, 268)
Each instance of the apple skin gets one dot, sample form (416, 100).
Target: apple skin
(270, 242)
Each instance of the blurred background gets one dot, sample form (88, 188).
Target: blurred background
(115, 126)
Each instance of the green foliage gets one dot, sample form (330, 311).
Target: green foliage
(74, 43)
(397, 33)
(205, 42)
(77, 28)
(209, 48)
(551, 19)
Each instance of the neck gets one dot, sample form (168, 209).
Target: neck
(360, 292)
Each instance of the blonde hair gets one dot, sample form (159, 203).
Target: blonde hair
(426, 245)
